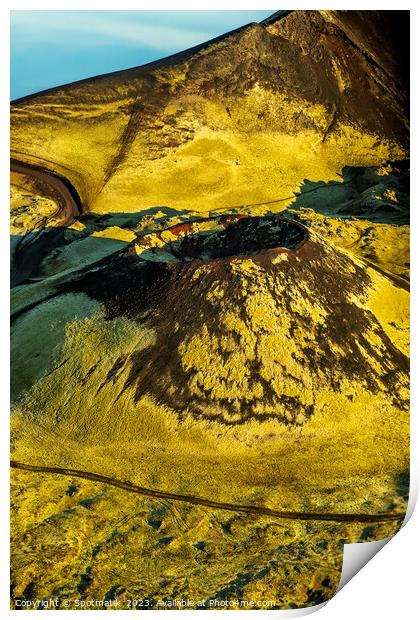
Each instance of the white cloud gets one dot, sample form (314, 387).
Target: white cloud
(133, 30)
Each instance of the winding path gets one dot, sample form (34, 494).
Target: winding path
(128, 486)
(30, 248)
(58, 188)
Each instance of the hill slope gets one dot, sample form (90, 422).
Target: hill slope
(210, 397)
(241, 119)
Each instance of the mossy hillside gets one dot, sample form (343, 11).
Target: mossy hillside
(165, 134)
(131, 420)
(229, 165)
(277, 379)
(34, 350)
(86, 540)
(385, 245)
(30, 207)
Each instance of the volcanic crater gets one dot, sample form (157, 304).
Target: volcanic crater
(222, 238)
(249, 362)
(251, 317)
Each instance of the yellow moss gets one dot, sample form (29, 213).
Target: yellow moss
(385, 170)
(234, 323)
(215, 295)
(279, 258)
(77, 225)
(390, 194)
(29, 209)
(391, 306)
(387, 245)
(261, 310)
(244, 267)
(223, 162)
(342, 82)
(114, 232)
(344, 458)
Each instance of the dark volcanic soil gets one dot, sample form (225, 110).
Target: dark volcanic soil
(224, 237)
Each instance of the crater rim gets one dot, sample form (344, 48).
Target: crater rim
(221, 239)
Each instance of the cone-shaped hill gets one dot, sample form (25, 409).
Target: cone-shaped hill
(234, 360)
(211, 396)
(253, 318)
(247, 319)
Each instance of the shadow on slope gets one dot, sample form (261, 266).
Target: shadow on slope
(380, 195)
(48, 251)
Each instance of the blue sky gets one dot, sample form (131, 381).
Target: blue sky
(49, 48)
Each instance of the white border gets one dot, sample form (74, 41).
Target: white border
(387, 586)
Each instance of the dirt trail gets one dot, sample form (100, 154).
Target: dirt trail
(56, 187)
(128, 486)
(31, 247)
